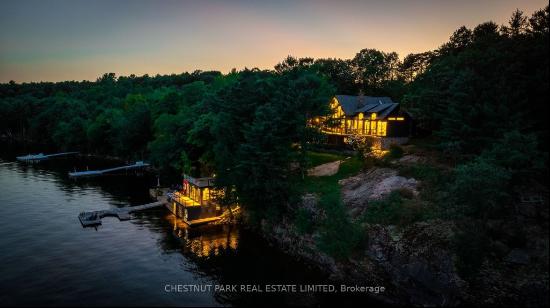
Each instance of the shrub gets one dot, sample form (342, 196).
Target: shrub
(405, 193)
(479, 189)
(423, 172)
(519, 153)
(395, 210)
(303, 221)
(395, 151)
(471, 248)
(340, 237)
(363, 145)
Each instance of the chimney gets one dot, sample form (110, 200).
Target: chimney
(360, 98)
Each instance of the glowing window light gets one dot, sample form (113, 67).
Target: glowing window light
(400, 118)
(373, 116)
(382, 128)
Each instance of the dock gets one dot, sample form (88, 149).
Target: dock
(202, 221)
(94, 218)
(90, 173)
(42, 156)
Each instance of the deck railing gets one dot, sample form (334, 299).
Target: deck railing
(182, 199)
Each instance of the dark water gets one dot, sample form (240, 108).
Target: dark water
(47, 258)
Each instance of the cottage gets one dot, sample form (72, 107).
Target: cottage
(377, 118)
(196, 202)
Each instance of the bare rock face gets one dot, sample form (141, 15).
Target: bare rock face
(327, 169)
(309, 203)
(418, 261)
(375, 184)
(387, 185)
(411, 159)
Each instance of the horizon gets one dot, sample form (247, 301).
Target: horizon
(78, 40)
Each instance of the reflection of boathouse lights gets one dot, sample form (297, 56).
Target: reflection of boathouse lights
(175, 222)
(174, 204)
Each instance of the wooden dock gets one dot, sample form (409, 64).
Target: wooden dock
(42, 156)
(123, 213)
(203, 221)
(89, 173)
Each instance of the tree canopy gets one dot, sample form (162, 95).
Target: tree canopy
(482, 94)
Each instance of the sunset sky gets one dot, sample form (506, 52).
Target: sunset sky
(76, 40)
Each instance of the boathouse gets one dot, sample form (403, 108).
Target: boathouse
(378, 118)
(196, 202)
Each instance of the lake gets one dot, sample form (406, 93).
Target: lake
(47, 257)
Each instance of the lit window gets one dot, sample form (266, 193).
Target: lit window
(400, 118)
(382, 128)
(373, 116)
(391, 119)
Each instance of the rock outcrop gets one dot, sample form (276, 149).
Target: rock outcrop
(375, 184)
(418, 261)
(327, 169)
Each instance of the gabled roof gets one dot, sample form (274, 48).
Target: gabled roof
(351, 105)
(348, 103)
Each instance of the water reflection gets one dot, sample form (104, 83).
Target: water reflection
(124, 263)
(204, 241)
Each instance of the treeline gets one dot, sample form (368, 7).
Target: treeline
(482, 94)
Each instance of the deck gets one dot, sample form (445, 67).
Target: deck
(94, 218)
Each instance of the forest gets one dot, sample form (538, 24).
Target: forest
(481, 98)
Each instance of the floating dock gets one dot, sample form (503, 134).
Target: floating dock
(94, 218)
(137, 165)
(42, 156)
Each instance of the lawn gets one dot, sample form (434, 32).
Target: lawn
(318, 158)
(325, 185)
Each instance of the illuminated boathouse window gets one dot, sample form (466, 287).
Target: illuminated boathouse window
(196, 201)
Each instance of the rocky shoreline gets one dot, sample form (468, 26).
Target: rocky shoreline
(412, 271)
(417, 264)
